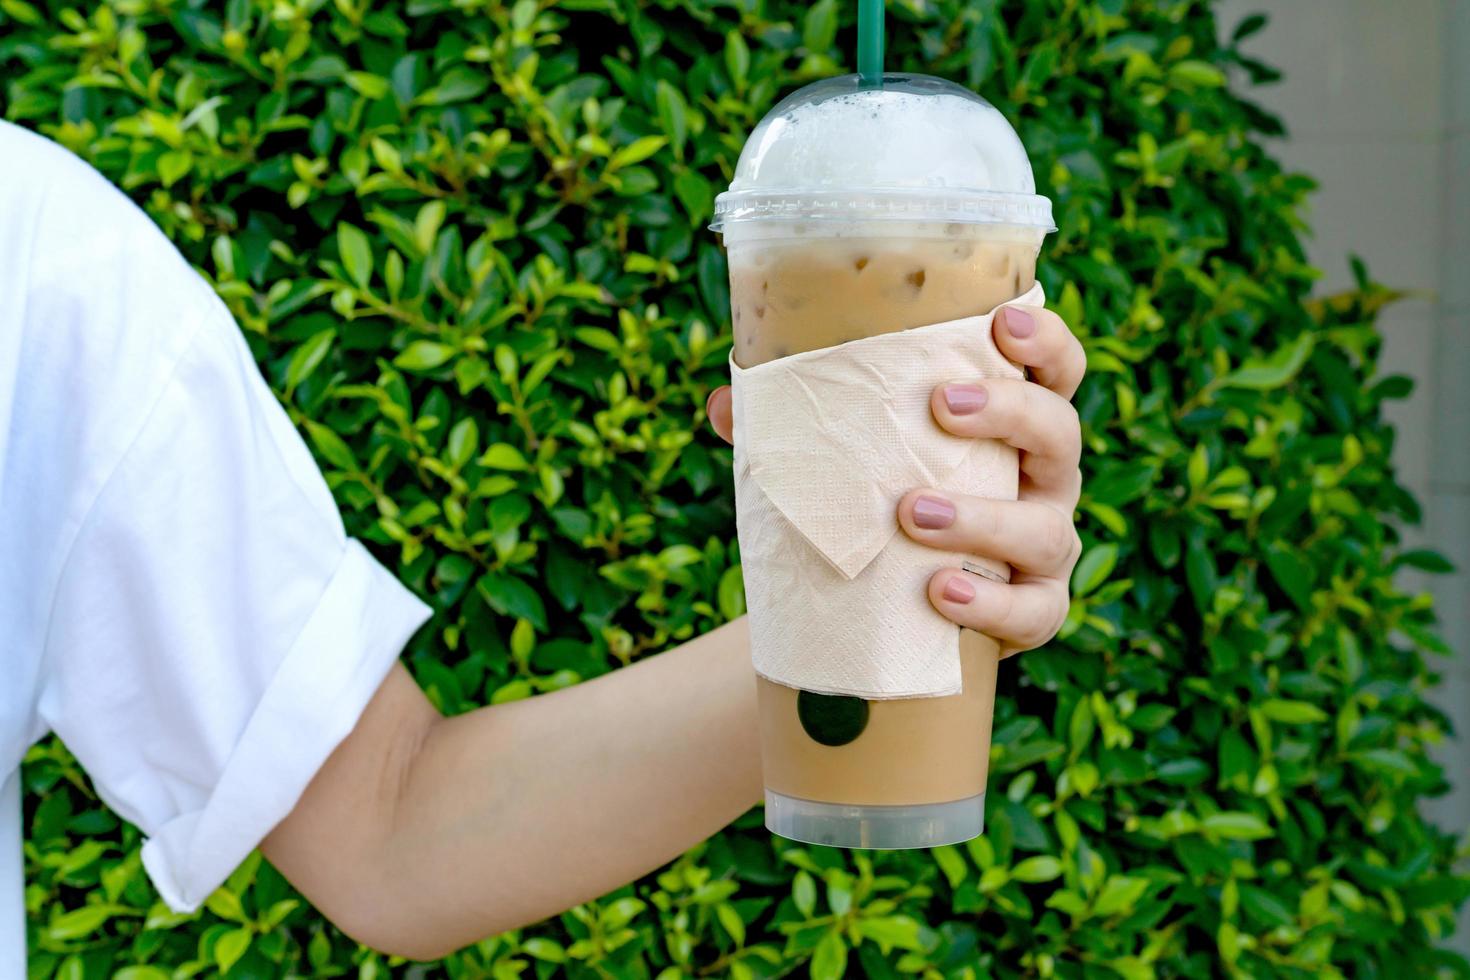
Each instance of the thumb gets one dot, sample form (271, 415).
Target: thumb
(717, 407)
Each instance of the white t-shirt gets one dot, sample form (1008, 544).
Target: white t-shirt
(178, 600)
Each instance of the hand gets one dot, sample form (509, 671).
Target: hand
(1034, 533)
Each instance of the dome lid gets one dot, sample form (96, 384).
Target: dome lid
(916, 148)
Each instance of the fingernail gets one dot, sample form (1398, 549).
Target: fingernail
(958, 590)
(965, 399)
(933, 513)
(709, 402)
(1020, 323)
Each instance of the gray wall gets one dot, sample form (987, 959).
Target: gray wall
(1376, 100)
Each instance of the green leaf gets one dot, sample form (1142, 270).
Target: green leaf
(366, 84)
(464, 439)
(230, 947)
(1196, 74)
(1119, 894)
(1184, 772)
(1236, 825)
(1265, 907)
(544, 949)
(319, 951)
(1292, 712)
(1235, 758)
(508, 512)
(839, 893)
(511, 596)
(423, 355)
(80, 922)
(460, 84)
(1426, 561)
(1275, 371)
(680, 556)
(891, 931)
(278, 912)
(141, 973)
(306, 357)
(598, 338)
(356, 253)
(1248, 26)
(636, 152)
(673, 115)
(1293, 574)
(737, 59)
(819, 28)
(22, 12)
(620, 912)
(951, 863)
(804, 893)
(514, 691)
(1385, 760)
(504, 456)
(696, 195)
(173, 165)
(1198, 469)
(1093, 568)
(1042, 867)
(575, 524)
(1200, 571)
(225, 904)
(731, 593)
(1040, 65)
(386, 155)
(426, 225)
(331, 446)
(1080, 726)
(731, 922)
(829, 959)
(522, 640)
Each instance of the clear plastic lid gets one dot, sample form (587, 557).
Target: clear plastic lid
(918, 148)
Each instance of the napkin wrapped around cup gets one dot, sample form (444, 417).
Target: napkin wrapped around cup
(826, 444)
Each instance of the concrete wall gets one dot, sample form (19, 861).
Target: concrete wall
(1376, 101)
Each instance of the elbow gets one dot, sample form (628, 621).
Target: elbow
(393, 931)
(398, 921)
(416, 951)
(398, 932)
(387, 910)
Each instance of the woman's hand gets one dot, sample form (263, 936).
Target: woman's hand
(1034, 533)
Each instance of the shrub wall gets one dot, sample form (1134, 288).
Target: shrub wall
(466, 241)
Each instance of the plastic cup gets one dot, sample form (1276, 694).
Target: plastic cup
(857, 210)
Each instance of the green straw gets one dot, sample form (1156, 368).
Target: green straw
(870, 43)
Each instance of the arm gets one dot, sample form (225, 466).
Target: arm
(422, 834)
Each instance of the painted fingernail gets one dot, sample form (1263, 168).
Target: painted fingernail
(1020, 323)
(933, 513)
(958, 590)
(965, 399)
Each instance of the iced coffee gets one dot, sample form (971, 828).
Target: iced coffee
(856, 213)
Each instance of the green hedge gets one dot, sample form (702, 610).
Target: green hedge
(466, 241)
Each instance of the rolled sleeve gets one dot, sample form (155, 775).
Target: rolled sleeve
(310, 706)
(215, 634)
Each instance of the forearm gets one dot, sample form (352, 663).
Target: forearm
(509, 814)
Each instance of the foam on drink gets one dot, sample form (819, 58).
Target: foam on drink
(918, 149)
(886, 138)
